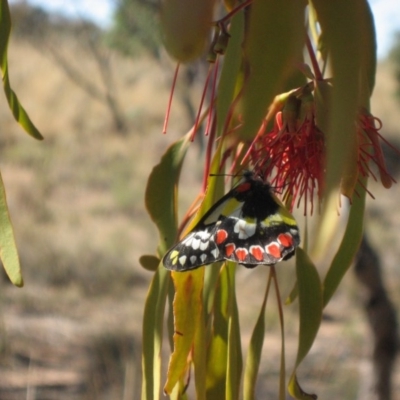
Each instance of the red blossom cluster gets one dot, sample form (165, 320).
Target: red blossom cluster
(291, 156)
(369, 148)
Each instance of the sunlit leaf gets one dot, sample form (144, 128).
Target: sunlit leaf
(254, 352)
(152, 334)
(342, 32)
(162, 190)
(369, 53)
(218, 348)
(310, 309)
(8, 248)
(275, 39)
(160, 201)
(200, 358)
(230, 70)
(18, 111)
(348, 247)
(188, 305)
(310, 302)
(234, 361)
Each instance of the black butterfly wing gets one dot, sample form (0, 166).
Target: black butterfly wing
(194, 250)
(198, 247)
(248, 226)
(253, 242)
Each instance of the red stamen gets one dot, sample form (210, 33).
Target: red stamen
(167, 113)
(197, 121)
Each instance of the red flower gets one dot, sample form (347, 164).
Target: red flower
(291, 157)
(370, 150)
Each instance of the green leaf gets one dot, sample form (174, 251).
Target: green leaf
(254, 353)
(200, 358)
(162, 191)
(188, 306)
(297, 392)
(17, 110)
(342, 30)
(275, 40)
(218, 349)
(310, 310)
(153, 320)
(149, 262)
(8, 248)
(310, 302)
(369, 57)
(234, 361)
(348, 247)
(160, 200)
(230, 70)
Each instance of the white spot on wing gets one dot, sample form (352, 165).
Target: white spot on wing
(193, 259)
(203, 245)
(244, 229)
(215, 253)
(195, 244)
(203, 257)
(188, 240)
(203, 235)
(182, 260)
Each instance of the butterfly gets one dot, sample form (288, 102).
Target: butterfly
(248, 225)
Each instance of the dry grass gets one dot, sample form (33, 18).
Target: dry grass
(76, 200)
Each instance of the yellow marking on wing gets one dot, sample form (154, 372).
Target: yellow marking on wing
(228, 207)
(283, 215)
(250, 220)
(231, 206)
(174, 256)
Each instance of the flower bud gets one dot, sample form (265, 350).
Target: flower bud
(185, 26)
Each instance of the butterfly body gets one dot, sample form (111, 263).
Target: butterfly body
(247, 226)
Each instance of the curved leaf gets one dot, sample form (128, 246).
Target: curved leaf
(341, 25)
(18, 111)
(348, 247)
(275, 39)
(310, 310)
(369, 56)
(188, 306)
(153, 320)
(200, 358)
(297, 392)
(8, 248)
(162, 190)
(217, 354)
(149, 262)
(160, 199)
(234, 360)
(230, 70)
(255, 348)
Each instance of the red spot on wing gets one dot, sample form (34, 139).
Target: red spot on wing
(229, 249)
(285, 239)
(244, 187)
(241, 253)
(221, 236)
(274, 250)
(257, 252)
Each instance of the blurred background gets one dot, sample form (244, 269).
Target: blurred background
(94, 79)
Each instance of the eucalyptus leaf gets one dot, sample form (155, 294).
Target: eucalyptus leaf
(18, 111)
